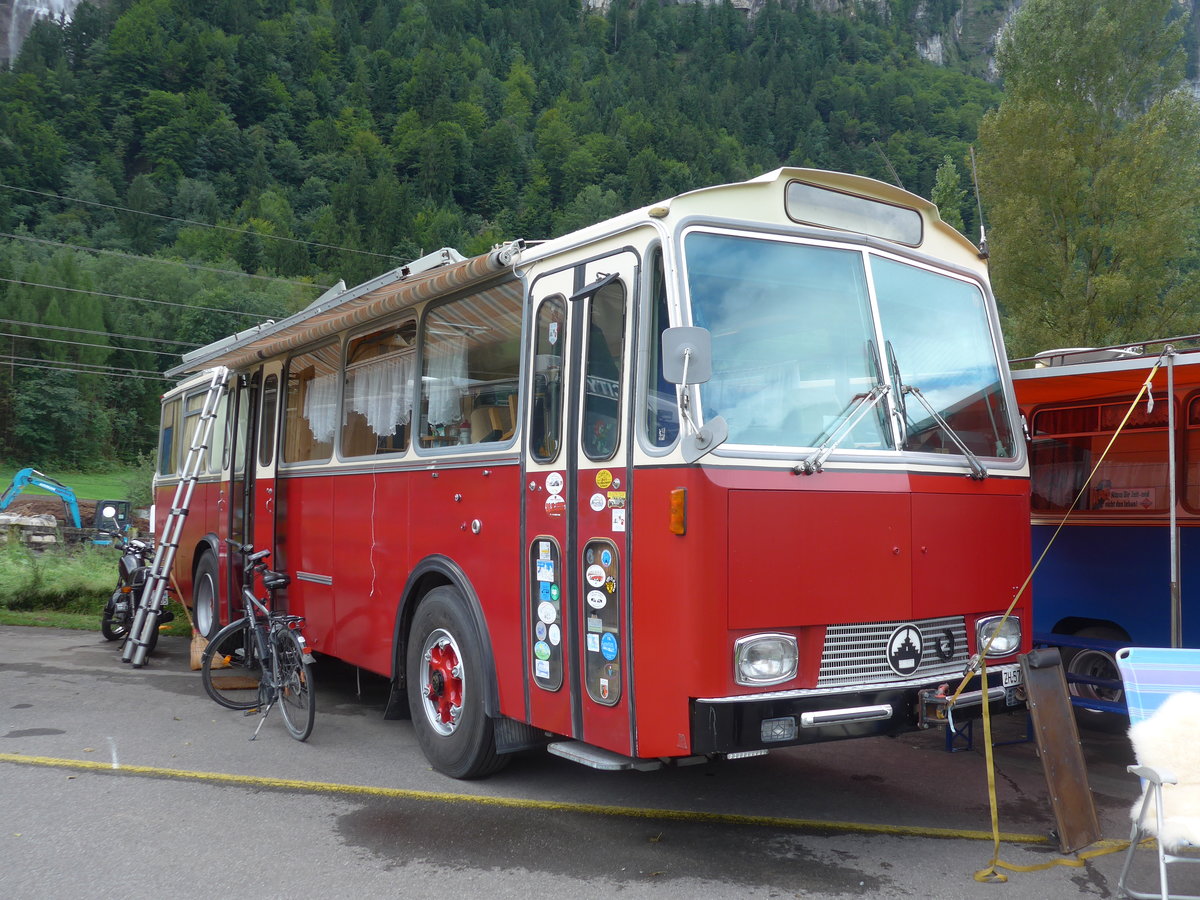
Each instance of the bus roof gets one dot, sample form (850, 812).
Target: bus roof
(1094, 380)
(430, 276)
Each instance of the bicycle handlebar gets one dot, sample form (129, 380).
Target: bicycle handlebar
(246, 548)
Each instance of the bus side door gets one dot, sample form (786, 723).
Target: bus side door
(577, 470)
(252, 488)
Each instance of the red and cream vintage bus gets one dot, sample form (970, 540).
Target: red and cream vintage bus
(736, 471)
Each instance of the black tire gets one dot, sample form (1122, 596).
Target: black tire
(231, 669)
(297, 698)
(206, 596)
(1096, 663)
(445, 676)
(112, 629)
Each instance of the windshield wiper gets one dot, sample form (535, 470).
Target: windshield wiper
(978, 471)
(847, 419)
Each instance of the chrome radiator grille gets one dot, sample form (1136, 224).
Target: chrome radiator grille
(857, 654)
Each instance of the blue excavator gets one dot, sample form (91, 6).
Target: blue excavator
(117, 521)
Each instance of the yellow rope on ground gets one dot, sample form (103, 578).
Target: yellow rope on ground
(991, 873)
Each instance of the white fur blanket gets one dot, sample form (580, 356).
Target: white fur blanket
(1169, 741)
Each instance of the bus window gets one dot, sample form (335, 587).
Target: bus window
(1191, 456)
(168, 456)
(545, 435)
(219, 436)
(266, 427)
(1067, 443)
(378, 393)
(238, 436)
(605, 355)
(471, 356)
(792, 338)
(193, 406)
(310, 411)
(939, 342)
(662, 412)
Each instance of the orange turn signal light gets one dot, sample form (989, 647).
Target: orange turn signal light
(678, 521)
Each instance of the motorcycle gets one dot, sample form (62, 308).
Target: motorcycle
(133, 567)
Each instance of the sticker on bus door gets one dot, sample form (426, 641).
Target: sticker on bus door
(545, 603)
(602, 646)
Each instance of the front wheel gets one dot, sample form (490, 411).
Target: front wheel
(445, 676)
(231, 669)
(114, 621)
(297, 701)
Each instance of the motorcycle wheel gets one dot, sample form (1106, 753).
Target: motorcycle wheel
(112, 629)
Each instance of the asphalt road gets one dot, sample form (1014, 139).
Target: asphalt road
(131, 783)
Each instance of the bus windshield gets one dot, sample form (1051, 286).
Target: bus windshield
(796, 345)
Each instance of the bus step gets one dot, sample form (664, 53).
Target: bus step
(596, 758)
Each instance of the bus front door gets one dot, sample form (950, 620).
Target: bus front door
(577, 455)
(252, 483)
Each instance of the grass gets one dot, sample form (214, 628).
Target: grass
(64, 587)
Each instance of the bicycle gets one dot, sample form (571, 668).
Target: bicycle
(263, 652)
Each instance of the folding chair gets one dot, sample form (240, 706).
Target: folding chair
(1162, 690)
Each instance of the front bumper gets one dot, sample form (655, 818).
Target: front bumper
(788, 718)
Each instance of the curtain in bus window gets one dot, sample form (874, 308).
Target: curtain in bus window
(1058, 470)
(377, 406)
(320, 407)
(310, 412)
(379, 395)
(447, 379)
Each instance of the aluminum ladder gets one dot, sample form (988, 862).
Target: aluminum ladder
(150, 604)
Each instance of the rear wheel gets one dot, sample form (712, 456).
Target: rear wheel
(231, 669)
(445, 675)
(1092, 662)
(205, 595)
(297, 701)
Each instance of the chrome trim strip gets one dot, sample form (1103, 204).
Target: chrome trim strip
(852, 714)
(315, 579)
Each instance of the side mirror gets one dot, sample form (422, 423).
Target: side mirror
(108, 512)
(687, 353)
(687, 360)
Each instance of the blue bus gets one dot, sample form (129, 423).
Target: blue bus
(1124, 567)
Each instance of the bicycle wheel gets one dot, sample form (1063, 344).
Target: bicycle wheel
(297, 700)
(231, 669)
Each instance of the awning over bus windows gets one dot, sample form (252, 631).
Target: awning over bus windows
(435, 274)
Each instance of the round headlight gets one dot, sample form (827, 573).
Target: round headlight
(765, 659)
(1003, 633)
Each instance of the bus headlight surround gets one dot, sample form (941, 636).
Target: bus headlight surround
(760, 659)
(1004, 633)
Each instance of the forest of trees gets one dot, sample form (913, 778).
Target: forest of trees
(172, 171)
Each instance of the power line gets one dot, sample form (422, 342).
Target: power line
(59, 287)
(155, 259)
(274, 237)
(49, 340)
(30, 362)
(128, 337)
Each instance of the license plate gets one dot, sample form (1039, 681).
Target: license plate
(1011, 676)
